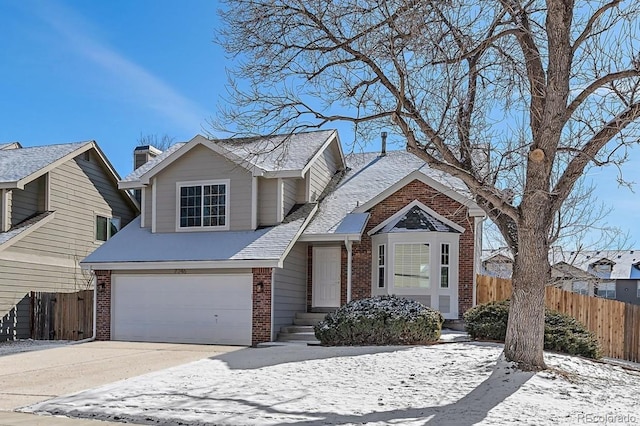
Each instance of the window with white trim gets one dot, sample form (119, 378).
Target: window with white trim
(381, 265)
(106, 227)
(580, 287)
(607, 290)
(203, 205)
(444, 265)
(411, 267)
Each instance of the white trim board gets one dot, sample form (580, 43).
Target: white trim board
(414, 203)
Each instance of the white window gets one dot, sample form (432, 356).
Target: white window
(203, 205)
(381, 265)
(106, 227)
(581, 287)
(444, 265)
(607, 290)
(411, 267)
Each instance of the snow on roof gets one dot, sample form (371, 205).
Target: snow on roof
(370, 175)
(280, 152)
(269, 153)
(625, 263)
(17, 164)
(135, 175)
(136, 244)
(7, 236)
(353, 223)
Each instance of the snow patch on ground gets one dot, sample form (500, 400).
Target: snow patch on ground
(27, 345)
(447, 384)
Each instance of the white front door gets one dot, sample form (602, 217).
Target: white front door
(326, 277)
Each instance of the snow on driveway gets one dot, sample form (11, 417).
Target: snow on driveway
(449, 384)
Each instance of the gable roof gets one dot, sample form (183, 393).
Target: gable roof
(22, 165)
(416, 216)
(370, 179)
(269, 156)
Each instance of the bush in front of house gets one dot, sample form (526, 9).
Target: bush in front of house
(380, 320)
(562, 333)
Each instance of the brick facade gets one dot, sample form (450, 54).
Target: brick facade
(103, 304)
(361, 252)
(261, 321)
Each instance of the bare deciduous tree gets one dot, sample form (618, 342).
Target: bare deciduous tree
(548, 88)
(162, 143)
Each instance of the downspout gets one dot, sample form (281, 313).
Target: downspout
(348, 245)
(95, 314)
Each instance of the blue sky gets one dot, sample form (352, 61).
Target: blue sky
(113, 70)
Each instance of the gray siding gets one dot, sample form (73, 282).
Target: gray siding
(322, 171)
(290, 287)
(47, 259)
(147, 207)
(290, 193)
(28, 201)
(627, 291)
(80, 190)
(18, 279)
(267, 201)
(301, 190)
(201, 164)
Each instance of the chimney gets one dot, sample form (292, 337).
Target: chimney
(141, 155)
(383, 152)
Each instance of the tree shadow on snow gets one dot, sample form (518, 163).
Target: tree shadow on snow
(252, 358)
(503, 382)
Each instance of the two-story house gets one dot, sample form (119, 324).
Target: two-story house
(237, 236)
(58, 203)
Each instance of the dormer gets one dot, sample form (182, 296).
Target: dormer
(602, 268)
(234, 184)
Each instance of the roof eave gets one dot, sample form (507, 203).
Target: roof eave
(330, 237)
(190, 264)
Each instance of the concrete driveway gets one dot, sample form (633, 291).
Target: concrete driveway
(30, 377)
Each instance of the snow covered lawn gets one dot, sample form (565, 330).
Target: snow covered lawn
(449, 384)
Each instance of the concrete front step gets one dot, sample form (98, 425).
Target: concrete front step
(287, 337)
(311, 315)
(296, 329)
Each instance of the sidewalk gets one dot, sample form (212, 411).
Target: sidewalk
(9, 418)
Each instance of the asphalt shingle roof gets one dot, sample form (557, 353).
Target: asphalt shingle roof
(21, 227)
(135, 244)
(370, 175)
(16, 164)
(270, 153)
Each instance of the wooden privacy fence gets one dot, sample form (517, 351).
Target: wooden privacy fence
(615, 324)
(62, 316)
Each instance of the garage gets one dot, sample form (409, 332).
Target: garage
(189, 308)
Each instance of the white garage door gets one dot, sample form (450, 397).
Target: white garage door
(212, 309)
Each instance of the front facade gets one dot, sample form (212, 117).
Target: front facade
(59, 203)
(236, 237)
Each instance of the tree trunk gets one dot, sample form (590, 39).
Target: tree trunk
(524, 342)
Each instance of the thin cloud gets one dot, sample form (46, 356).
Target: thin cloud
(148, 90)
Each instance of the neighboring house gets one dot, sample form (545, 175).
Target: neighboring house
(612, 274)
(617, 272)
(238, 236)
(57, 204)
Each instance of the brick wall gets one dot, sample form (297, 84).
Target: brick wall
(261, 322)
(440, 203)
(103, 301)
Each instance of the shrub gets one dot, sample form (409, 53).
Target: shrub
(380, 320)
(562, 333)
(488, 321)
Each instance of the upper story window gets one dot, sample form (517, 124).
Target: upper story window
(203, 205)
(106, 227)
